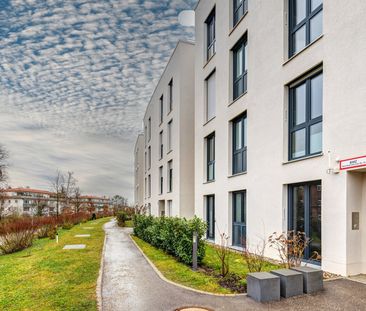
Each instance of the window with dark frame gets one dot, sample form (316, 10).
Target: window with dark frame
(149, 128)
(306, 23)
(161, 109)
(239, 160)
(170, 176)
(161, 147)
(304, 215)
(239, 218)
(211, 34)
(210, 216)
(211, 96)
(149, 155)
(306, 117)
(161, 180)
(240, 70)
(170, 128)
(149, 185)
(210, 150)
(170, 95)
(240, 7)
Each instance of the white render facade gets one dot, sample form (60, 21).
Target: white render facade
(273, 119)
(169, 139)
(139, 171)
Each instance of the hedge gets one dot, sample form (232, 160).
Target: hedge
(172, 235)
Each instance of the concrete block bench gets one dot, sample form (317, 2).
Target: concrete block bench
(263, 286)
(313, 279)
(291, 282)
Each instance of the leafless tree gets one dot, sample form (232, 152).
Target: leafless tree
(70, 185)
(3, 166)
(3, 178)
(58, 188)
(77, 202)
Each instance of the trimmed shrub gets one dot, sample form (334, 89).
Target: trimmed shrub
(122, 217)
(16, 235)
(172, 235)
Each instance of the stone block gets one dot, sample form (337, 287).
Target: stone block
(313, 279)
(263, 286)
(291, 282)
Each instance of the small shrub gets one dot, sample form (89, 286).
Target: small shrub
(122, 218)
(16, 235)
(290, 246)
(172, 235)
(223, 252)
(254, 256)
(67, 225)
(52, 232)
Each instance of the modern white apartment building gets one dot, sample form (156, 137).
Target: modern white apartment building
(169, 138)
(280, 105)
(27, 201)
(139, 171)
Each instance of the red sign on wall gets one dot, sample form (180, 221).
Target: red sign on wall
(352, 163)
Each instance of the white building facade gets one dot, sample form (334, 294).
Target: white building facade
(169, 139)
(279, 104)
(139, 171)
(27, 201)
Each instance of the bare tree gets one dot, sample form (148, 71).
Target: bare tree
(3, 178)
(70, 185)
(3, 166)
(58, 187)
(77, 202)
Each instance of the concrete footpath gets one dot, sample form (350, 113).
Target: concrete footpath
(130, 284)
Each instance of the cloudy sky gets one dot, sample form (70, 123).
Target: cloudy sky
(75, 79)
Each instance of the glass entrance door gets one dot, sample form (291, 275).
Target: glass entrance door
(305, 214)
(239, 218)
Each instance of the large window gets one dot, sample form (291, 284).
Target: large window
(170, 176)
(306, 23)
(239, 9)
(170, 128)
(239, 218)
(306, 116)
(211, 96)
(170, 95)
(239, 160)
(161, 145)
(161, 180)
(210, 150)
(161, 108)
(210, 216)
(240, 68)
(305, 201)
(211, 35)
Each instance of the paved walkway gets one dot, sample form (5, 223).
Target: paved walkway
(130, 284)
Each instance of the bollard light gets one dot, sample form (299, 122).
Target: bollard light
(194, 252)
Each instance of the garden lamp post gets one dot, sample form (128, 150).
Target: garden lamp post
(194, 251)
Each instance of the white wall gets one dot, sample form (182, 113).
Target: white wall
(139, 170)
(180, 68)
(340, 52)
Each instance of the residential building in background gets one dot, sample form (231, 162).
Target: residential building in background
(27, 201)
(279, 108)
(169, 139)
(139, 170)
(37, 202)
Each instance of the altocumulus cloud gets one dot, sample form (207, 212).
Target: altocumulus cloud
(75, 78)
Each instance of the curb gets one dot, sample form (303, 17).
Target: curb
(100, 276)
(161, 276)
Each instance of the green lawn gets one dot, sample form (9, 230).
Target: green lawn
(46, 277)
(129, 224)
(182, 274)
